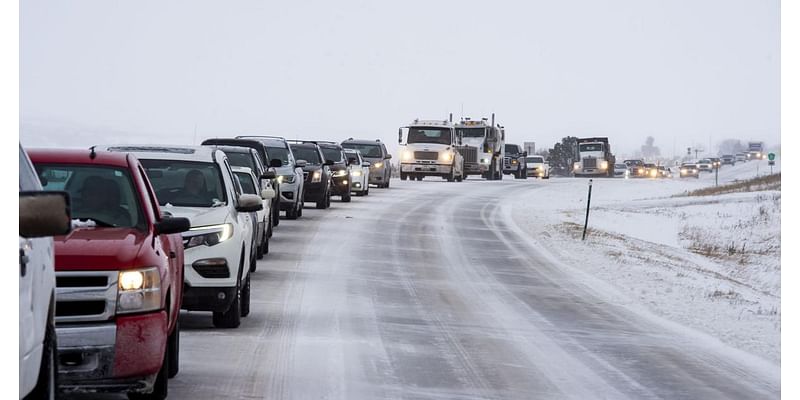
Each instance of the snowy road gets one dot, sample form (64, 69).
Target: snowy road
(429, 290)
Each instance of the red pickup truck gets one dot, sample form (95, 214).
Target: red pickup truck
(119, 276)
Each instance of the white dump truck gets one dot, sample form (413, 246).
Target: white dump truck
(482, 145)
(594, 158)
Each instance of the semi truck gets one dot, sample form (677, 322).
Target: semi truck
(594, 158)
(430, 150)
(482, 146)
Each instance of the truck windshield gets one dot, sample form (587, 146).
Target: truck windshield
(309, 154)
(102, 194)
(471, 132)
(186, 183)
(367, 150)
(590, 147)
(429, 135)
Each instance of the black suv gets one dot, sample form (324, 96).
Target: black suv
(316, 172)
(340, 174)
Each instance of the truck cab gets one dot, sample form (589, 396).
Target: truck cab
(594, 158)
(430, 150)
(482, 146)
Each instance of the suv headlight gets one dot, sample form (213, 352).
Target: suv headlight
(138, 290)
(316, 176)
(207, 235)
(377, 165)
(340, 173)
(286, 178)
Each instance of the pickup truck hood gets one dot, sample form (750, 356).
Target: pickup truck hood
(199, 216)
(98, 249)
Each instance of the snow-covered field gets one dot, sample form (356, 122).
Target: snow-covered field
(711, 263)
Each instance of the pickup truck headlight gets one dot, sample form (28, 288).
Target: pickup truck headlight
(209, 235)
(340, 173)
(286, 178)
(138, 290)
(316, 176)
(377, 165)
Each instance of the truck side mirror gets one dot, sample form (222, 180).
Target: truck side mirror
(172, 225)
(388, 156)
(400, 135)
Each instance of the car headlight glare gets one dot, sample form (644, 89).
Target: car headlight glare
(377, 164)
(340, 173)
(209, 235)
(139, 290)
(316, 176)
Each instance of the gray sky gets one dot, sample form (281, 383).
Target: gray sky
(685, 72)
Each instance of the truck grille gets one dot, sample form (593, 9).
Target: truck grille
(85, 296)
(470, 154)
(589, 163)
(507, 162)
(426, 155)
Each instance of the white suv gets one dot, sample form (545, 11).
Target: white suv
(41, 215)
(359, 172)
(219, 250)
(249, 183)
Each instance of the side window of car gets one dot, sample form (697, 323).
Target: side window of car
(383, 147)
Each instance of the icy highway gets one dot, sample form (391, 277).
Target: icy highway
(429, 290)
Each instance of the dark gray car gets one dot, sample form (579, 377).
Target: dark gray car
(374, 151)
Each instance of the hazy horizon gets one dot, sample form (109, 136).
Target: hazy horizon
(686, 73)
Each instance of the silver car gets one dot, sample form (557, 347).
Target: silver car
(373, 151)
(289, 174)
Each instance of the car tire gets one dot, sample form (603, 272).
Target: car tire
(260, 250)
(246, 297)
(232, 317)
(160, 387)
(388, 180)
(320, 205)
(403, 176)
(276, 214)
(452, 176)
(46, 383)
(346, 198)
(173, 348)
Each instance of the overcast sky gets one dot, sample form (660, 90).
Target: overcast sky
(685, 72)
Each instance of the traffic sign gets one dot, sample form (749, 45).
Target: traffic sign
(771, 156)
(771, 162)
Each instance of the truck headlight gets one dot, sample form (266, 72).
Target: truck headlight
(208, 235)
(138, 290)
(407, 155)
(377, 165)
(340, 173)
(653, 173)
(604, 165)
(316, 176)
(577, 166)
(446, 156)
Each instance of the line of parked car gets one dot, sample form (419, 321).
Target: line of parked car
(637, 168)
(116, 240)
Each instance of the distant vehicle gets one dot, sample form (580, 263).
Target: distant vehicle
(482, 144)
(756, 150)
(41, 216)
(650, 170)
(728, 159)
(119, 275)
(373, 151)
(705, 165)
(316, 171)
(514, 161)
(220, 248)
(741, 157)
(262, 218)
(359, 172)
(716, 162)
(621, 171)
(689, 170)
(594, 158)
(431, 150)
(664, 172)
(537, 167)
(340, 174)
(290, 174)
(636, 168)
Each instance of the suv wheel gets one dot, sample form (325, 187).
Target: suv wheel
(276, 214)
(320, 205)
(403, 176)
(346, 197)
(246, 297)
(233, 316)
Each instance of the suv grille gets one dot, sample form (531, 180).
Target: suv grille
(470, 154)
(589, 163)
(86, 296)
(426, 155)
